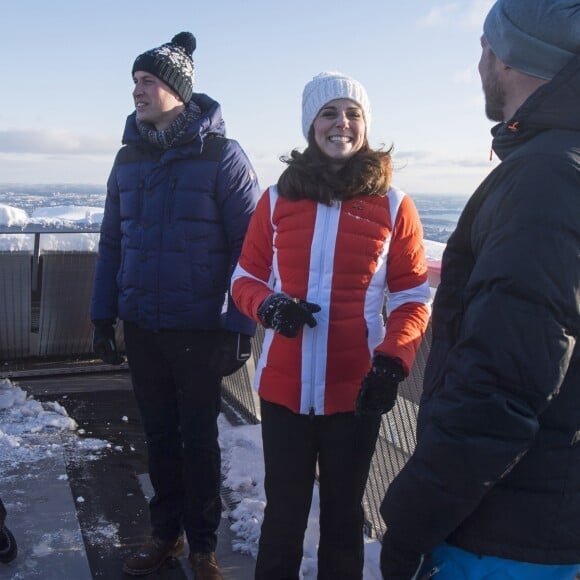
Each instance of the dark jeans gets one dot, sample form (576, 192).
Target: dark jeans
(179, 401)
(343, 446)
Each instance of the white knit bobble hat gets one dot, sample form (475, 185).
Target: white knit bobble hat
(326, 87)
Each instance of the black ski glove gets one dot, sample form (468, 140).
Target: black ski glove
(378, 391)
(104, 344)
(231, 354)
(287, 315)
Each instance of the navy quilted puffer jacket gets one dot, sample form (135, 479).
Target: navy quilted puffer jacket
(173, 229)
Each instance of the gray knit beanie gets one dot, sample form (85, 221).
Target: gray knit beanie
(536, 37)
(326, 87)
(172, 63)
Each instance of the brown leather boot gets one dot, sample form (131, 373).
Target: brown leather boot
(205, 566)
(152, 555)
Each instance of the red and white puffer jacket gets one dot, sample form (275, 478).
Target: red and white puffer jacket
(346, 258)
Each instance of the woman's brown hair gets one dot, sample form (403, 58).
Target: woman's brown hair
(311, 175)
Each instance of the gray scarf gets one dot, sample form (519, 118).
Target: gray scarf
(173, 135)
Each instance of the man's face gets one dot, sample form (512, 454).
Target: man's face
(155, 102)
(493, 90)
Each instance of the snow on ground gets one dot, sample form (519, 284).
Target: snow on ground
(37, 434)
(30, 430)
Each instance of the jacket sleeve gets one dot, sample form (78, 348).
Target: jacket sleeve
(252, 279)
(408, 293)
(105, 291)
(237, 194)
(515, 343)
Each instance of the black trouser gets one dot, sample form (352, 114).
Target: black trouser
(179, 401)
(343, 446)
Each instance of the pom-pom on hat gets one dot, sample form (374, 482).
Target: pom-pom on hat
(172, 63)
(326, 87)
(537, 38)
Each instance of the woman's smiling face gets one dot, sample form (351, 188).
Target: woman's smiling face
(340, 129)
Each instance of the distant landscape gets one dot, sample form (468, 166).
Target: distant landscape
(439, 213)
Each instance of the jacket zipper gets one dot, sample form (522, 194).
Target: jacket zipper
(321, 257)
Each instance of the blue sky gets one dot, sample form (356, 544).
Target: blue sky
(67, 84)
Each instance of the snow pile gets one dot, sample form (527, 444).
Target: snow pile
(31, 430)
(55, 217)
(12, 216)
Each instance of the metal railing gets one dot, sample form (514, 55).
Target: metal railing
(46, 295)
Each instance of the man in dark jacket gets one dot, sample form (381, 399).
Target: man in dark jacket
(179, 199)
(492, 489)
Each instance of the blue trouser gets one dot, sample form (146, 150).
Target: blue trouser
(342, 445)
(179, 400)
(451, 563)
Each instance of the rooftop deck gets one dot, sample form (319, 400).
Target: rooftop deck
(82, 526)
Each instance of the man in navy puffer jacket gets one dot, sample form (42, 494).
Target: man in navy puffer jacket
(179, 199)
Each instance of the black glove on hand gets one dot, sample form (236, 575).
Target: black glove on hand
(287, 315)
(104, 344)
(378, 391)
(232, 353)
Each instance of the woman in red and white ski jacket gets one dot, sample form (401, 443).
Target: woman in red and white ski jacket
(346, 258)
(323, 250)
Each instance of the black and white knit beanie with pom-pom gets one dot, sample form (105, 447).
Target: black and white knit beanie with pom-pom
(172, 63)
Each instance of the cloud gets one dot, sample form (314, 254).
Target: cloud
(440, 15)
(60, 168)
(441, 172)
(477, 11)
(426, 158)
(55, 142)
(457, 14)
